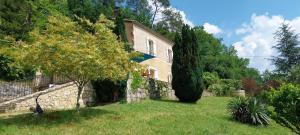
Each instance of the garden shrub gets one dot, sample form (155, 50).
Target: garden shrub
(286, 103)
(109, 91)
(250, 86)
(210, 78)
(271, 84)
(249, 110)
(137, 81)
(235, 84)
(16, 72)
(221, 89)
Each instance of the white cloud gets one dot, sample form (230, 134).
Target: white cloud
(159, 15)
(258, 39)
(211, 29)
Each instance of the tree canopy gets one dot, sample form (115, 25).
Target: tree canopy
(66, 49)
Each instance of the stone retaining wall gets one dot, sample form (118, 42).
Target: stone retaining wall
(149, 89)
(58, 97)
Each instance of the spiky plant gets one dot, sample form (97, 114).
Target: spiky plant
(248, 110)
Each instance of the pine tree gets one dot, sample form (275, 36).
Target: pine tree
(288, 48)
(186, 68)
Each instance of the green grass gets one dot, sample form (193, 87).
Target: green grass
(208, 117)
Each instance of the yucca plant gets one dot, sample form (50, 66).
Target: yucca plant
(248, 110)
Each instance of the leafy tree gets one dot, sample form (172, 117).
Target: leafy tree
(66, 49)
(294, 75)
(288, 48)
(286, 103)
(158, 6)
(170, 23)
(186, 68)
(138, 10)
(15, 72)
(91, 9)
(119, 29)
(221, 59)
(15, 18)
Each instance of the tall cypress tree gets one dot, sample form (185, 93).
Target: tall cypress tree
(288, 48)
(186, 68)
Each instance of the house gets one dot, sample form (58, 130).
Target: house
(157, 50)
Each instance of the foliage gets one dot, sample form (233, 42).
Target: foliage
(288, 48)
(221, 87)
(250, 86)
(286, 103)
(67, 49)
(210, 78)
(218, 90)
(248, 110)
(235, 84)
(271, 84)
(294, 75)
(16, 18)
(109, 91)
(91, 9)
(186, 68)
(10, 72)
(221, 59)
(159, 5)
(137, 81)
(170, 23)
(120, 31)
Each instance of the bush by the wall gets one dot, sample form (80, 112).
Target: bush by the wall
(286, 103)
(222, 89)
(9, 73)
(235, 84)
(109, 91)
(210, 78)
(248, 110)
(137, 81)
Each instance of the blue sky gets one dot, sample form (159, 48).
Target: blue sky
(247, 24)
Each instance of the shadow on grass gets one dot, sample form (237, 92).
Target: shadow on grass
(173, 101)
(55, 118)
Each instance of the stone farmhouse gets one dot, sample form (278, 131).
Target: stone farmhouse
(157, 50)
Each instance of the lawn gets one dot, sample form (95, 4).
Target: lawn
(207, 117)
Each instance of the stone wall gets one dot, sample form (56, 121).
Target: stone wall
(150, 89)
(58, 97)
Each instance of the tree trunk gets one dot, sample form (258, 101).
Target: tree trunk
(80, 89)
(154, 15)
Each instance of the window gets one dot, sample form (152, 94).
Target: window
(151, 47)
(170, 56)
